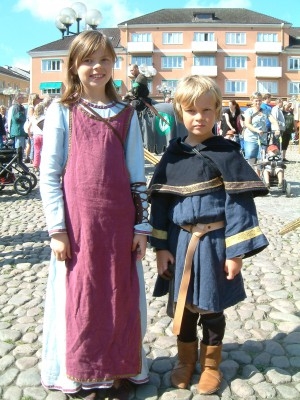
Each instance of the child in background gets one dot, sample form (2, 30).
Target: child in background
(94, 196)
(273, 166)
(36, 128)
(205, 222)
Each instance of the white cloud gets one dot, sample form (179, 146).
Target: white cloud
(219, 4)
(23, 63)
(113, 12)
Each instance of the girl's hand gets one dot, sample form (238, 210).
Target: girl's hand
(163, 258)
(233, 267)
(139, 245)
(60, 246)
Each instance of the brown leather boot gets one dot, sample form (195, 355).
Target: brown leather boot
(211, 376)
(187, 358)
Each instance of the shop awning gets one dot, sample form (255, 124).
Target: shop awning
(50, 85)
(118, 82)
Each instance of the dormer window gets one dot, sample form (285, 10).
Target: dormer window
(202, 16)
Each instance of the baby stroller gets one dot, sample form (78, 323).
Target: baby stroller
(13, 172)
(272, 169)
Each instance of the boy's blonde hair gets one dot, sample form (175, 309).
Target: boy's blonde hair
(85, 44)
(190, 88)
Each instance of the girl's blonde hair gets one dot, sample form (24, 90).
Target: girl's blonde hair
(39, 110)
(190, 88)
(32, 97)
(85, 44)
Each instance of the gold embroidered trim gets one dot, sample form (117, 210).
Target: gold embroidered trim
(158, 234)
(244, 185)
(242, 236)
(189, 189)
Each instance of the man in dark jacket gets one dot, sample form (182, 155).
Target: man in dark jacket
(16, 120)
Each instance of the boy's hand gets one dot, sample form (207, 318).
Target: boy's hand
(139, 245)
(163, 258)
(233, 267)
(60, 246)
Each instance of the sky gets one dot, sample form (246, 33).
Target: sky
(27, 24)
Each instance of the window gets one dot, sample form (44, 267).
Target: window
(267, 61)
(51, 65)
(204, 36)
(294, 88)
(235, 86)
(235, 38)
(142, 60)
(172, 62)
(118, 63)
(204, 61)
(267, 87)
(172, 38)
(236, 62)
(141, 37)
(267, 37)
(52, 91)
(294, 64)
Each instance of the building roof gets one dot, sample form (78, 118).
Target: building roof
(64, 44)
(191, 16)
(15, 73)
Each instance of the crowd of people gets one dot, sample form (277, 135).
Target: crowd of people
(21, 126)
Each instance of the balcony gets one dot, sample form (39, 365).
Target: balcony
(268, 72)
(204, 47)
(140, 47)
(268, 47)
(211, 71)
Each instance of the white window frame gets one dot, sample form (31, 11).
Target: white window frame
(51, 65)
(236, 38)
(235, 62)
(267, 37)
(139, 60)
(143, 37)
(172, 62)
(204, 37)
(267, 87)
(294, 62)
(235, 86)
(118, 63)
(204, 61)
(267, 61)
(172, 38)
(294, 88)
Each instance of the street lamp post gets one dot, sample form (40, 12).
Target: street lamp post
(77, 12)
(165, 91)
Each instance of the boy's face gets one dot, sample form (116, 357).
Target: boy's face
(199, 119)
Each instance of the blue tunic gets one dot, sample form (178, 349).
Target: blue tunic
(205, 201)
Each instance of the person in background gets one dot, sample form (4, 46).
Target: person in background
(256, 134)
(139, 92)
(33, 100)
(265, 105)
(2, 132)
(273, 166)
(204, 223)
(16, 118)
(280, 121)
(3, 112)
(231, 121)
(94, 194)
(36, 126)
(290, 127)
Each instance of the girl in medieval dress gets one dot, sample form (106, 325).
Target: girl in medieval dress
(94, 196)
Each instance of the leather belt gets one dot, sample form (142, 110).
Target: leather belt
(197, 232)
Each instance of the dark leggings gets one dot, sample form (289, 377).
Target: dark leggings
(213, 327)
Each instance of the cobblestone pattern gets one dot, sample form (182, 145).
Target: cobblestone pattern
(261, 352)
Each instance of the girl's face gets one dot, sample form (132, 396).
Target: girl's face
(199, 119)
(95, 71)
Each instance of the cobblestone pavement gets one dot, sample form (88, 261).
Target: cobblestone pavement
(261, 352)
